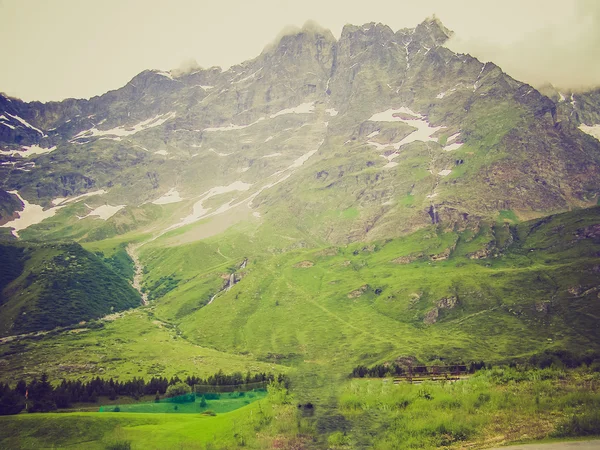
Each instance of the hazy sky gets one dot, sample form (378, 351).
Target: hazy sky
(53, 49)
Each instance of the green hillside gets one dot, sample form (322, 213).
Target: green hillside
(43, 286)
(450, 294)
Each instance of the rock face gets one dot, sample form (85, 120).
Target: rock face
(432, 315)
(358, 292)
(304, 264)
(408, 259)
(392, 126)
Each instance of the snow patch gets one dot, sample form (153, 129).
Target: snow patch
(37, 150)
(30, 215)
(198, 210)
(373, 134)
(218, 153)
(378, 146)
(161, 152)
(126, 130)
(432, 195)
(300, 161)
(252, 75)
(332, 112)
(390, 165)
(423, 132)
(104, 212)
(272, 155)
(256, 214)
(65, 200)
(231, 126)
(454, 146)
(304, 108)
(452, 138)
(170, 197)
(164, 74)
(27, 124)
(268, 139)
(594, 130)
(444, 172)
(28, 150)
(389, 115)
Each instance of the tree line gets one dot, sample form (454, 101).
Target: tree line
(559, 358)
(397, 370)
(39, 395)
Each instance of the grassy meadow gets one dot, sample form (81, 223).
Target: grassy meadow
(492, 408)
(502, 292)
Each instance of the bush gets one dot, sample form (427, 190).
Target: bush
(586, 424)
(180, 393)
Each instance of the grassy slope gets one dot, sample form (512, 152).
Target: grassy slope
(280, 311)
(540, 294)
(134, 345)
(96, 430)
(57, 284)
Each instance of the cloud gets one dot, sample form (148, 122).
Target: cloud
(310, 27)
(186, 67)
(564, 54)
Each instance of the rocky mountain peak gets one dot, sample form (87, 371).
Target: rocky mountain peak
(432, 32)
(293, 40)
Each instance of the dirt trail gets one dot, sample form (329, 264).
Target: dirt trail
(139, 272)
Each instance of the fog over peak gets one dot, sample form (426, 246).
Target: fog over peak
(564, 55)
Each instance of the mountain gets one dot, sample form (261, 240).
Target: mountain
(384, 148)
(309, 126)
(332, 203)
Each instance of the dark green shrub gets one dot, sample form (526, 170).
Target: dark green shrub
(586, 424)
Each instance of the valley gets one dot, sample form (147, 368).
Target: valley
(372, 200)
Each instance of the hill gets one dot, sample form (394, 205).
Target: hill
(43, 286)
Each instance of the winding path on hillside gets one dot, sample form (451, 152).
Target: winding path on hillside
(139, 272)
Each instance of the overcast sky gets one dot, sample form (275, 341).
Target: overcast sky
(53, 49)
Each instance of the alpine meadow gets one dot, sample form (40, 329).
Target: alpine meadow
(369, 241)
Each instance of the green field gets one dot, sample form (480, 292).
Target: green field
(492, 408)
(225, 402)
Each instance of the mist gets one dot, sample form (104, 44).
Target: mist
(186, 67)
(564, 55)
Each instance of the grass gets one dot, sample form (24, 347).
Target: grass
(282, 312)
(354, 305)
(256, 425)
(508, 216)
(226, 402)
(492, 408)
(59, 284)
(135, 345)
(489, 409)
